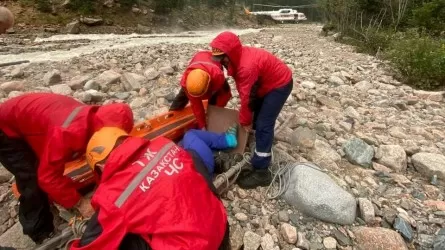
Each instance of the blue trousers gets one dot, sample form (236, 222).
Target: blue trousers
(203, 142)
(266, 112)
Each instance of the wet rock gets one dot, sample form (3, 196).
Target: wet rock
(14, 237)
(439, 241)
(91, 84)
(378, 238)
(366, 210)
(251, 240)
(316, 194)
(151, 74)
(62, 89)
(267, 242)
(404, 228)
(330, 243)
(358, 152)
(73, 27)
(308, 84)
(78, 82)
(289, 233)
(108, 77)
(8, 87)
(392, 156)
(429, 164)
(52, 77)
(167, 70)
(303, 137)
(5, 175)
(132, 81)
(91, 21)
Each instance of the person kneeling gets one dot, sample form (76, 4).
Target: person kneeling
(155, 194)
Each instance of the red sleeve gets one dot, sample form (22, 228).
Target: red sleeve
(245, 79)
(198, 110)
(113, 226)
(59, 188)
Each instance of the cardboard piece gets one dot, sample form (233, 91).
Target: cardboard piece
(220, 119)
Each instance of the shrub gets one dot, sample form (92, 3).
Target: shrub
(83, 6)
(430, 17)
(43, 5)
(421, 60)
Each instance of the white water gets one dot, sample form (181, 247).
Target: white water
(112, 41)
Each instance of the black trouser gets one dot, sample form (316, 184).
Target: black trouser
(34, 211)
(135, 242)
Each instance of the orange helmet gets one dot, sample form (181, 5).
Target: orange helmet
(6, 19)
(197, 82)
(102, 143)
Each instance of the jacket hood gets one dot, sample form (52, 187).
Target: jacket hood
(122, 156)
(114, 115)
(230, 44)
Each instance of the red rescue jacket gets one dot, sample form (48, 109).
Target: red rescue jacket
(152, 189)
(203, 60)
(248, 66)
(58, 128)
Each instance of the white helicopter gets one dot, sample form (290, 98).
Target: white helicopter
(281, 15)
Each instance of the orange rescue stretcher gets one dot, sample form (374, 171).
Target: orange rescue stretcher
(172, 124)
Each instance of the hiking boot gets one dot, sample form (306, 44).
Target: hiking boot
(255, 178)
(231, 136)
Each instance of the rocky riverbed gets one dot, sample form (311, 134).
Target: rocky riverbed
(380, 145)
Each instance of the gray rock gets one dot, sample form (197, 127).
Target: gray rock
(351, 112)
(91, 84)
(91, 21)
(267, 242)
(122, 95)
(17, 72)
(138, 102)
(236, 237)
(8, 87)
(241, 216)
(308, 84)
(108, 77)
(324, 155)
(289, 233)
(4, 215)
(78, 82)
(132, 81)
(404, 228)
(15, 94)
(429, 164)
(316, 194)
(151, 74)
(302, 242)
(52, 77)
(167, 70)
(366, 210)
(96, 96)
(5, 175)
(335, 80)
(73, 27)
(283, 216)
(83, 96)
(251, 240)
(378, 238)
(330, 103)
(62, 89)
(342, 239)
(14, 237)
(141, 29)
(363, 86)
(392, 156)
(439, 241)
(303, 137)
(330, 243)
(359, 152)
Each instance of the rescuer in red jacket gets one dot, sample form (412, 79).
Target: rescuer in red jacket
(264, 83)
(155, 194)
(202, 80)
(39, 133)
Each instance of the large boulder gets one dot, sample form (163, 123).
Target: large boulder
(14, 237)
(314, 193)
(358, 152)
(429, 164)
(6, 19)
(378, 238)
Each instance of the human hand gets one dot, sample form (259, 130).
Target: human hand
(84, 207)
